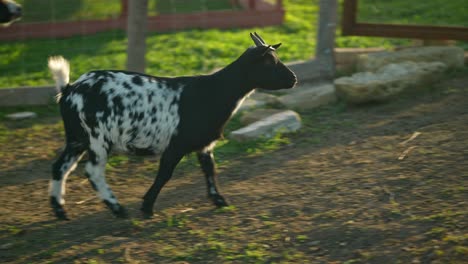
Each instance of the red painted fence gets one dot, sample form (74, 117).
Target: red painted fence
(254, 13)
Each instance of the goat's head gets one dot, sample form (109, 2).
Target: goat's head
(264, 69)
(9, 11)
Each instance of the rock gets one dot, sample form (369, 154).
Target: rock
(257, 114)
(451, 56)
(285, 121)
(387, 81)
(250, 103)
(264, 97)
(308, 97)
(346, 58)
(256, 100)
(21, 115)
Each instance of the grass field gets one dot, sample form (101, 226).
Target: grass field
(186, 6)
(433, 12)
(23, 63)
(59, 10)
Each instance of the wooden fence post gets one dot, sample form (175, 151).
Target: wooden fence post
(137, 23)
(324, 52)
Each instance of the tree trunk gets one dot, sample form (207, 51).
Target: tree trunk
(324, 52)
(136, 33)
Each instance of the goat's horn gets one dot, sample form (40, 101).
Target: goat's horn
(260, 38)
(257, 41)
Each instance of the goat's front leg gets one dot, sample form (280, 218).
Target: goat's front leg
(208, 166)
(167, 164)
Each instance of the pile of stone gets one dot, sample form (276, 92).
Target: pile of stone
(265, 114)
(383, 75)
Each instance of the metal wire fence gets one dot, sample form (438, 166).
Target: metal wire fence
(92, 32)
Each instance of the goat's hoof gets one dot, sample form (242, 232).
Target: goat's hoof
(147, 213)
(58, 209)
(121, 212)
(147, 209)
(61, 215)
(219, 201)
(117, 210)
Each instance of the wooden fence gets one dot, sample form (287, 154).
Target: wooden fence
(253, 13)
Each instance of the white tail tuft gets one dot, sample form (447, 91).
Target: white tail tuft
(60, 69)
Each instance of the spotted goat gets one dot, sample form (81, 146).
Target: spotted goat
(141, 114)
(10, 11)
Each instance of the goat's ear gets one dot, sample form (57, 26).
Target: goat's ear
(276, 46)
(256, 40)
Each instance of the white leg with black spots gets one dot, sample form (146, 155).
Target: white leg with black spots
(64, 165)
(96, 176)
(57, 187)
(95, 171)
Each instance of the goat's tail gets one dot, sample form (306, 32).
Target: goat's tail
(60, 69)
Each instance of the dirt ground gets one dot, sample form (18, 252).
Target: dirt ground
(387, 183)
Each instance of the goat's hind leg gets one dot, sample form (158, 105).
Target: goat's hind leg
(95, 171)
(61, 168)
(208, 166)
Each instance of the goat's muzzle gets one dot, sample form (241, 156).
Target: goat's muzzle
(292, 82)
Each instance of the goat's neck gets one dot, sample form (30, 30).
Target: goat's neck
(233, 81)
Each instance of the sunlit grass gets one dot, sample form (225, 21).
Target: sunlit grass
(434, 12)
(186, 52)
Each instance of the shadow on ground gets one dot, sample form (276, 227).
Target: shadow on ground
(360, 192)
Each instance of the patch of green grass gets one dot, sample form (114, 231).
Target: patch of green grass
(226, 209)
(461, 250)
(456, 238)
(57, 10)
(179, 221)
(302, 238)
(187, 52)
(117, 160)
(228, 149)
(255, 252)
(437, 232)
(11, 229)
(183, 6)
(137, 223)
(446, 214)
(434, 12)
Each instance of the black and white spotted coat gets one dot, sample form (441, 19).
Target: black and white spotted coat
(125, 110)
(142, 114)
